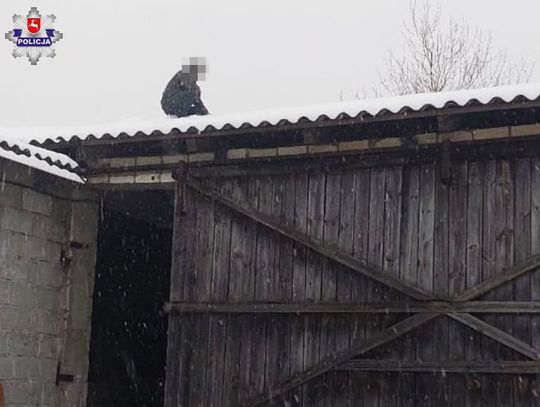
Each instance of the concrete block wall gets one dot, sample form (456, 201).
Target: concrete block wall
(47, 257)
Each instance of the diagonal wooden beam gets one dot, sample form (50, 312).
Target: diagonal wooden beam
(334, 360)
(498, 279)
(489, 330)
(387, 279)
(332, 253)
(500, 336)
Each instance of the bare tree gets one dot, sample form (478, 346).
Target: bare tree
(449, 56)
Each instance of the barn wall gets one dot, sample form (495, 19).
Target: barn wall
(46, 287)
(405, 220)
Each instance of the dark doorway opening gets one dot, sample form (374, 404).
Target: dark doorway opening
(129, 328)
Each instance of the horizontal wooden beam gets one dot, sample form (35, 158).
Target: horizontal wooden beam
(442, 367)
(332, 253)
(336, 359)
(484, 307)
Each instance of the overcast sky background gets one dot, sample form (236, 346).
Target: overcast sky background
(117, 56)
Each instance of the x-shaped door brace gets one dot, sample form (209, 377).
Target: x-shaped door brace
(407, 325)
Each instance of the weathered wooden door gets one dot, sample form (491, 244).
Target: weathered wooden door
(380, 286)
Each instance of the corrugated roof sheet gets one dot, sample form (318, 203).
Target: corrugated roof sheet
(398, 106)
(39, 158)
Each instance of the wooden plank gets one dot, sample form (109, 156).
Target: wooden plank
(488, 272)
(522, 239)
(476, 385)
(457, 275)
(358, 381)
(392, 226)
(315, 245)
(231, 376)
(221, 261)
(374, 293)
(409, 271)
(199, 360)
(204, 240)
(186, 267)
(345, 324)
(316, 194)
(217, 332)
(438, 339)
(203, 259)
(438, 367)
(238, 288)
(504, 259)
(286, 265)
(173, 342)
(498, 335)
(490, 277)
(426, 228)
(185, 356)
(522, 251)
(299, 282)
(278, 344)
(265, 265)
(315, 211)
(299, 251)
(391, 258)
(424, 384)
(251, 367)
(178, 242)
(217, 324)
(246, 191)
(358, 348)
(457, 231)
(277, 333)
(239, 272)
(480, 307)
(328, 334)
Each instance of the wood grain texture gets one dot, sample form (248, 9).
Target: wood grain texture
(323, 288)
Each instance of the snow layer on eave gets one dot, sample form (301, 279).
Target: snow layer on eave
(396, 104)
(42, 153)
(38, 161)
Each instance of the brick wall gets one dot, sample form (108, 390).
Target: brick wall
(47, 259)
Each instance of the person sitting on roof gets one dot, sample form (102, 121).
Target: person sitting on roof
(182, 96)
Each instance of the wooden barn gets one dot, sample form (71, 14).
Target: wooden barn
(371, 253)
(368, 270)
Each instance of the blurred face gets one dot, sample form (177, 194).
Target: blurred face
(194, 68)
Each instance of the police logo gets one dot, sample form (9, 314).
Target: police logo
(34, 36)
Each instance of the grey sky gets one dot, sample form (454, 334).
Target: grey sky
(117, 56)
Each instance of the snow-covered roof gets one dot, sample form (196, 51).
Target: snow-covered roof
(41, 159)
(388, 106)
(15, 142)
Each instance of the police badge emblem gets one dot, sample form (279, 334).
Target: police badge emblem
(33, 36)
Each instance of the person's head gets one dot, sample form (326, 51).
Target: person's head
(194, 69)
